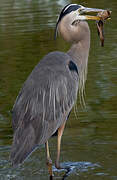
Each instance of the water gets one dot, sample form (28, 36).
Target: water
(89, 143)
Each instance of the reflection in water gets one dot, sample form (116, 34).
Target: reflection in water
(73, 167)
(26, 35)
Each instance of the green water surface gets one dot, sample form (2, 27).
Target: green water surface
(89, 143)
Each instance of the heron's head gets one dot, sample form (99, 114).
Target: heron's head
(72, 24)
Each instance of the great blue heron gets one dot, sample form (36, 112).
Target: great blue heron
(48, 95)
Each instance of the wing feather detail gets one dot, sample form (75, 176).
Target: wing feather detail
(42, 105)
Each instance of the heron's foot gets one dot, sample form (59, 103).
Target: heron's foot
(51, 177)
(49, 165)
(58, 166)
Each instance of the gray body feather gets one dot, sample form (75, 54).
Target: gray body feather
(43, 103)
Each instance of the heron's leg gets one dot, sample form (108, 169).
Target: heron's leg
(49, 161)
(60, 133)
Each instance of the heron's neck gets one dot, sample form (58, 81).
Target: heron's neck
(79, 53)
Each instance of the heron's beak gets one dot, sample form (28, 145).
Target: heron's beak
(85, 10)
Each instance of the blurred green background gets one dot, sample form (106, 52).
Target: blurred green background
(90, 137)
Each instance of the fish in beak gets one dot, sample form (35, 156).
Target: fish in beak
(102, 14)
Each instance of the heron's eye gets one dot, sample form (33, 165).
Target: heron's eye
(80, 10)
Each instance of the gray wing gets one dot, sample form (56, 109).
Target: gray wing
(43, 104)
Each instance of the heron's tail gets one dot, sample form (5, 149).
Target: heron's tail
(23, 145)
